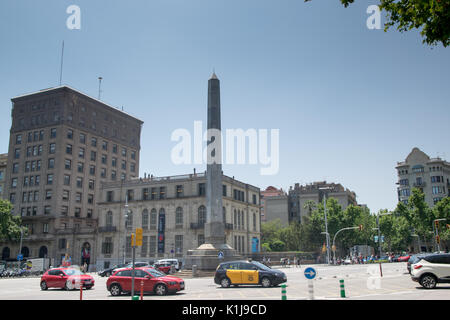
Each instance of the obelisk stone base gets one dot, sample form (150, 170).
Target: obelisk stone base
(206, 257)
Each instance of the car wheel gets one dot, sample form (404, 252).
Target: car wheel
(265, 282)
(225, 283)
(428, 281)
(161, 289)
(67, 286)
(44, 285)
(115, 290)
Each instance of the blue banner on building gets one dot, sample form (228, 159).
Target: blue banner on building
(161, 230)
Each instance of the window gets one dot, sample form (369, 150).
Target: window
(77, 212)
(81, 153)
(124, 152)
(113, 175)
(103, 172)
(107, 248)
(114, 162)
(19, 139)
(93, 142)
(48, 194)
(52, 148)
(179, 191)
(129, 220)
(26, 181)
(178, 244)
(109, 219)
(62, 244)
(92, 170)
(130, 195)
(69, 134)
(79, 182)
(104, 159)
(152, 245)
(179, 217)
(114, 148)
(90, 199)
(65, 195)
(27, 166)
(200, 239)
(37, 180)
(64, 210)
(41, 135)
(45, 227)
(201, 215)
(437, 190)
(145, 218)
(201, 189)
(254, 199)
(78, 197)
(51, 163)
(69, 149)
(67, 164)
(53, 133)
(224, 190)
(162, 192)
(50, 179)
(80, 167)
(145, 194)
(105, 145)
(82, 138)
(15, 168)
(153, 219)
(91, 184)
(124, 165)
(66, 179)
(47, 210)
(132, 167)
(133, 155)
(153, 194)
(110, 196)
(93, 155)
(16, 153)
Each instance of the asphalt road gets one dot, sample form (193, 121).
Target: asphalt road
(362, 282)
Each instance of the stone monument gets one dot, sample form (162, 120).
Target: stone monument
(206, 257)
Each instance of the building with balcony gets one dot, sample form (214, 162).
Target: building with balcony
(172, 213)
(429, 175)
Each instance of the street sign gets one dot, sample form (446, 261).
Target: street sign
(138, 237)
(220, 255)
(310, 273)
(375, 238)
(19, 257)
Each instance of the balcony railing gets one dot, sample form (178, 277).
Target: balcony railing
(107, 229)
(200, 225)
(419, 184)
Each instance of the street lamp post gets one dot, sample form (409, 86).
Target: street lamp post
(334, 239)
(379, 236)
(326, 222)
(126, 220)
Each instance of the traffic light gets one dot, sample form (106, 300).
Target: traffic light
(138, 237)
(133, 241)
(436, 224)
(438, 239)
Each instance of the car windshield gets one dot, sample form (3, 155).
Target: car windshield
(155, 273)
(261, 266)
(72, 272)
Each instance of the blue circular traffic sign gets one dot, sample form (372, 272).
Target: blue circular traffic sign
(310, 273)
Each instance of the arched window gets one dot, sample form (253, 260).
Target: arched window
(129, 220)
(145, 219)
(43, 252)
(109, 219)
(5, 253)
(201, 215)
(153, 219)
(179, 216)
(25, 252)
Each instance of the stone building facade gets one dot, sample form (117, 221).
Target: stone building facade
(172, 212)
(63, 145)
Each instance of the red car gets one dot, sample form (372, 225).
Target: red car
(163, 267)
(404, 258)
(153, 282)
(66, 278)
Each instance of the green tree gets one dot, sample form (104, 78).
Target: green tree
(10, 225)
(431, 16)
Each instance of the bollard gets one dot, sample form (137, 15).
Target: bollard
(342, 288)
(283, 292)
(311, 289)
(135, 298)
(194, 270)
(81, 290)
(142, 289)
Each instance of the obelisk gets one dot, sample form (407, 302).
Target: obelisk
(206, 256)
(214, 227)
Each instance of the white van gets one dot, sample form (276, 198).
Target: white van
(174, 262)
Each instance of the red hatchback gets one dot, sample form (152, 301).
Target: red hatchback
(153, 281)
(66, 278)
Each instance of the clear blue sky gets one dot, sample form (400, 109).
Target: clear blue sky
(349, 102)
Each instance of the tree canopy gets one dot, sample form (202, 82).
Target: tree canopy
(10, 225)
(431, 16)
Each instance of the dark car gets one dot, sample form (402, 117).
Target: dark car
(247, 272)
(109, 271)
(414, 259)
(151, 280)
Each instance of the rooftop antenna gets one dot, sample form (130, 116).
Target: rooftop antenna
(99, 87)
(62, 59)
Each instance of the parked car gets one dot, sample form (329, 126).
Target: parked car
(247, 272)
(414, 259)
(174, 262)
(404, 258)
(163, 267)
(66, 278)
(431, 270)
(153, 280)
(109, 271)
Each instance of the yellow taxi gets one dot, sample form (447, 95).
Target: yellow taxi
(247, 272)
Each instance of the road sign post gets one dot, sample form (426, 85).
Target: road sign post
(310, 274)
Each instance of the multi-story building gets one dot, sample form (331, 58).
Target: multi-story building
(63, 145)
(172, 212)
(430, 175)
(3, 163)
(300, 195)
(274, 205)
